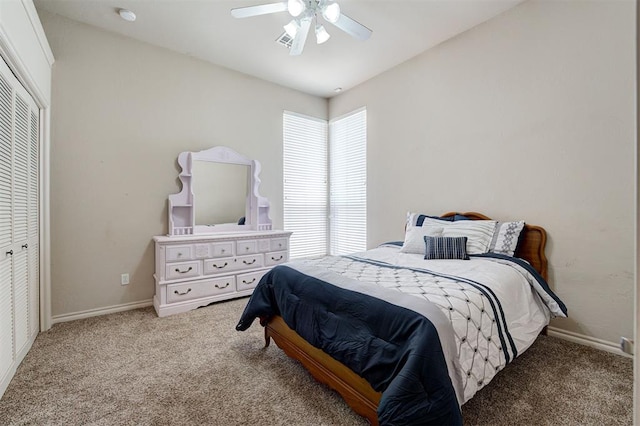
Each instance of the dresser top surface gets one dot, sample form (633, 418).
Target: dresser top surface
(222, 236)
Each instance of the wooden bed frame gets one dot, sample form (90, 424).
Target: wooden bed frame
(355, 390)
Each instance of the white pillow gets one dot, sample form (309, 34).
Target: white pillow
(507, 235)
(412, 219)
(414, 238)
(479, 233)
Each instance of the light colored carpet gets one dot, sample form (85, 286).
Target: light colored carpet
(133, 368)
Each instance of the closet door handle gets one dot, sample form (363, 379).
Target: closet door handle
(25, 246)
(184, 272)
(249, 263)
(182, 294)
(221, 287)
(220, 267)
(9, 253)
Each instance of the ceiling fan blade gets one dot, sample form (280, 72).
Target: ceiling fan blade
(263, 9)
(352, 27)
(300, 38)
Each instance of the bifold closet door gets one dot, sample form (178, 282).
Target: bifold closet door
(19, 218)
(6, 215)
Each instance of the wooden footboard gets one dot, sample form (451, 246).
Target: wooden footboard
(356, 391)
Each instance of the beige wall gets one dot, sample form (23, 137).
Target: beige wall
(530, 115)
(122, 112)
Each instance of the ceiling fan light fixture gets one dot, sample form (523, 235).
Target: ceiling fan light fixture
(331, 12)
(296, 7)
(292, 28)
(321, 34)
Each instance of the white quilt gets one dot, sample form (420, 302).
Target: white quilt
(493, 304)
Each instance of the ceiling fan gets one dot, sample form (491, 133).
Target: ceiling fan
(304, 12)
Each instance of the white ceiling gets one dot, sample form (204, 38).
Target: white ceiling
(205, 29)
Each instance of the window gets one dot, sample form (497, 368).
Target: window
(325, 186)
(348, 183)
(305, 184)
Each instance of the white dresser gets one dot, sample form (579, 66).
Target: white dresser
(196, 270)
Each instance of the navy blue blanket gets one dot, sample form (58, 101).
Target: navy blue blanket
(395, 349)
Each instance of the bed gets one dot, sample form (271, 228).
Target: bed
(355, 323)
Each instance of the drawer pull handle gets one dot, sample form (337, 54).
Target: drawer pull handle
(182, 294)
(9, 253)
(249, 263)
(184, 272)
(247, 248)
(220, 267)
(222, 251)
(278, 259)
(279, 244)
(249, 282)
(224, 286)
(25, 246)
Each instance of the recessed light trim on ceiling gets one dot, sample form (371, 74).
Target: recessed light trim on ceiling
(127, 15)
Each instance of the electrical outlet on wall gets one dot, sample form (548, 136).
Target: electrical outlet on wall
(124, 279)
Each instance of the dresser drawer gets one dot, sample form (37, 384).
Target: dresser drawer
(250, 280)
(275, 258)
(246, 247)
(219, 266)
(179, 253)
(278, 244)
(222, 249)
(188, 291)
(176, 271)
(249, 262)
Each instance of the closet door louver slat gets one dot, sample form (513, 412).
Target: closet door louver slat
(21, 299)
(6, 267)
(20, 215)
(6, 132)
(20, 170)
(32, 226)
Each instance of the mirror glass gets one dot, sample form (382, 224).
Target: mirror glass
(219, 192)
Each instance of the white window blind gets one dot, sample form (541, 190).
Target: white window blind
(348, 182)
(305, 184)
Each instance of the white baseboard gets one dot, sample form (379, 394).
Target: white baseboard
(101, 311)
(603, 345)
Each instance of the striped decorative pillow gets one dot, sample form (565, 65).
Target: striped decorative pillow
(446, 248)
(479, 232)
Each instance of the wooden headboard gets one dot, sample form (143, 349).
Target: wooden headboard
(532, 243)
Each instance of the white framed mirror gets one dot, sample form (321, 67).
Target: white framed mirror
(219, 194)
